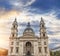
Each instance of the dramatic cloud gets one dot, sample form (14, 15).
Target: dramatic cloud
(30, 11)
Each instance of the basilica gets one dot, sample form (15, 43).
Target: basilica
(28, 44)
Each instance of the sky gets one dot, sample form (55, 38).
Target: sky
(30, 11)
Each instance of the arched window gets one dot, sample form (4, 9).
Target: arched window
(13, 35)
(11, 50)
(43, 34)
(42, 25)
(45, 49)
(44, 43)
(28, 44)
(17, 43)
(39, 49)
(12, 43)
(17, 49)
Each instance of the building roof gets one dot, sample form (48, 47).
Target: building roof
(56, 49)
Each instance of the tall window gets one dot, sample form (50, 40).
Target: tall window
(39, 49)
(12, 43)
(13, 35)
(44, 43)
(45, 49)
(43, 34)
(17, 43)
(14, 26)
(42, 25)
(11, 49)
(39, 43)
(17, 49)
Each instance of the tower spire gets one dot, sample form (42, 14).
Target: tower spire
(41, 19)
(42, 29)
(14, 30)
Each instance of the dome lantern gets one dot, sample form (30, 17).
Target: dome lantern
(28, 31)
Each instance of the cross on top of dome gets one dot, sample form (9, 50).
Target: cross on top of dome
(41, 19)
(28, 25)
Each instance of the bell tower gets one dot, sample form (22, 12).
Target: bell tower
(43, 40)
(13, 39)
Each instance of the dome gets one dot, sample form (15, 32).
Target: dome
(28, 31)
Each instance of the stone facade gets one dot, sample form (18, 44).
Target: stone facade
(29, 44)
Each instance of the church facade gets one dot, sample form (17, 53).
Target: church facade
(29, 44)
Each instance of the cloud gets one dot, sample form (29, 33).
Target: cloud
(34, 6)
(21, 3)
(52, 23)
(8, 14)
(15, 4)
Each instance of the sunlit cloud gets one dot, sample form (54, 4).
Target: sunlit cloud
(9, 14)
(4, 40)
